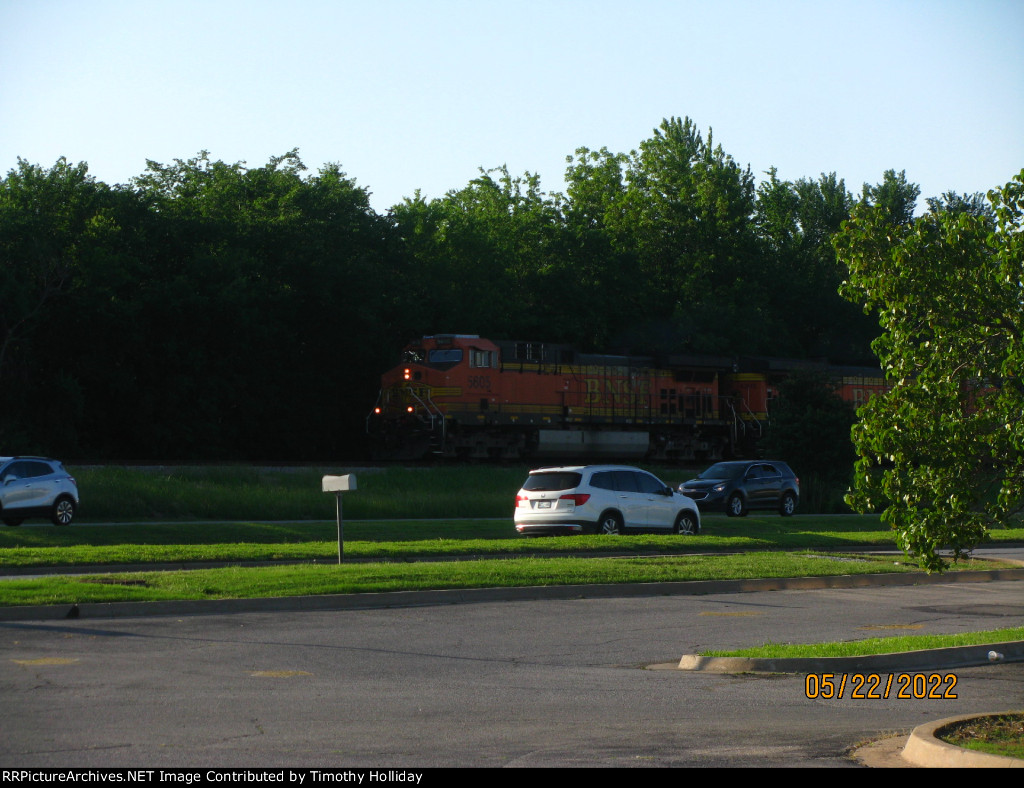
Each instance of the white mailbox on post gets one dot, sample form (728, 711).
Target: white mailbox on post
(339, 485)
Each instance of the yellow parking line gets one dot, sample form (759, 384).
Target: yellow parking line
(744, 613)
(892, 626)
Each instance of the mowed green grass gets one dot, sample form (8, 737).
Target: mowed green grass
(407, 539)
(246, 516)
(873, 646)
(237, 582)
(409, 555)
(399, 540)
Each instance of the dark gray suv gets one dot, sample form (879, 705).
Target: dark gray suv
(737, 487)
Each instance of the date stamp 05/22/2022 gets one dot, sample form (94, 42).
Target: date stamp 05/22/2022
(880, 686)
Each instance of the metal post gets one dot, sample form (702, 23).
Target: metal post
(341, 528)
(338, 485)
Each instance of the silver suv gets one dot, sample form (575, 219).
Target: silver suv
(36, 487)
(601, 499)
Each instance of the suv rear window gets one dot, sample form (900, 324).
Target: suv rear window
(547, 482)
(617, 481)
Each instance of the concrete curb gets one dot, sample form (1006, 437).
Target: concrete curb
(470, 595)
(909, 661)
(925, 749)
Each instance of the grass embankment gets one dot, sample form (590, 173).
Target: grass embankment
(117, 494)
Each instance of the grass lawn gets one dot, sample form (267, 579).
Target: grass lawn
(408, 539)
(237, 582)
(406, 555)
(999, 734)
(871, 646)
(405, 539)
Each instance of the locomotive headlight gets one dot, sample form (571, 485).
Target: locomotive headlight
(376, 411)
(410, 409)
(407, 373)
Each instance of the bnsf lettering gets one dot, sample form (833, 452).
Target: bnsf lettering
(616, 392)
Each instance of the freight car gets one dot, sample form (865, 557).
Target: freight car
(463, 396)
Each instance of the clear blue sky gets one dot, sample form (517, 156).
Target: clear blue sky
(408, 95)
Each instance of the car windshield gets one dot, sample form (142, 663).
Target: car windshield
(547, 482)
(722, 470)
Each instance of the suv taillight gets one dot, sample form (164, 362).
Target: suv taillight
(577, 498)
(521, 499)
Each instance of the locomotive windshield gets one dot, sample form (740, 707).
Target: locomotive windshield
(448, 356)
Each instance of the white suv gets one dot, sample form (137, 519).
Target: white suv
(36, 487)
(602, 499)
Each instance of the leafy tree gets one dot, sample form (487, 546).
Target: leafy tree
(485, 257)
(225, 313)
(895, 196)
(943, 450)
(796, 223)
(688, 208)
(43, 215)
(810, 428)
(600, 256)
(960, 203)
(51, 222)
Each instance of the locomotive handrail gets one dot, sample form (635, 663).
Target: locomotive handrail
(433, 411)
(373, 410)
(757, 421)
(739, 423)
(736, 420)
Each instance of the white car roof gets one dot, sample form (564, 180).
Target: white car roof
(579, 468)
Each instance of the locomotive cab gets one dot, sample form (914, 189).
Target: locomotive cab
(419, 398)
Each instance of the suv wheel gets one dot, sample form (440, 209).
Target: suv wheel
(736, 507)
(14, 522)
(787, 505)
(686, 523)
(610, 523)
(63, 511)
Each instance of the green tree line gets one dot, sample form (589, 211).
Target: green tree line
(215, 311)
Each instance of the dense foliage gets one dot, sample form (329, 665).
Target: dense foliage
(943, 450)
(810, 429)
(213, 311)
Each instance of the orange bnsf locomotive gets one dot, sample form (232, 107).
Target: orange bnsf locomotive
(462, 396)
